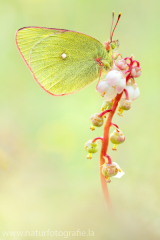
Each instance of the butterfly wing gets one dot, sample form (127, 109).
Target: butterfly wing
(61, 61)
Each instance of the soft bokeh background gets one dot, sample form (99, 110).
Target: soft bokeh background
(46, 182)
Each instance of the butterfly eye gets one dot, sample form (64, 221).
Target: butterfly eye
(112, 45)
(115, 44)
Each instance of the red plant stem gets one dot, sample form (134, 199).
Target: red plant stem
(135, 61)
(104, 149)
(129, 58)
(109, 159)
(103, 113)
(113, 124)
(128, 77)
(97, 138)
(116, 126)
(126, 93)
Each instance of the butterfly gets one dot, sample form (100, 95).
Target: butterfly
(63, 61)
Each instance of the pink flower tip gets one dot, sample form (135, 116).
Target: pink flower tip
(122, 64)
(136, 71)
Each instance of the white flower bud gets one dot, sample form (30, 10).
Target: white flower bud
(110, 93)
(106, 90)
(133, 91)
(102, 86)
(117, 79)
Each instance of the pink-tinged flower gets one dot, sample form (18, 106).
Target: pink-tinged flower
(122, 64)
(110, 93)
(96, 120)
(117, 137)
(106, 90)
(133, 91)
(116, 79)
(136, 71)
(111, 170)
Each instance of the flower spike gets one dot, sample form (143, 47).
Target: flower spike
(119, 90)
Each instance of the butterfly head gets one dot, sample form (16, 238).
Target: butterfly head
(112, 46)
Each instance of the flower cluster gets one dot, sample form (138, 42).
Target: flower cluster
(119, 90)
(121, 79)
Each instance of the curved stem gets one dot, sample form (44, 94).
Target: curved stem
(109, 159)
(97, 138)
(128, 77)
(126, 93)
(135, 61)
(115, 125)
(104, 112)
(105, 147)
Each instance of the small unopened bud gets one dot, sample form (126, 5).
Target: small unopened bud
(133, 91)
(122, 64)
(106, 105)
(125, 104)
(91, 147)
(136, 71)
(117, 137)
(109, 170)
(96, 120)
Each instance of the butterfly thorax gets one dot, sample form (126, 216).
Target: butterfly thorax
(111, 48)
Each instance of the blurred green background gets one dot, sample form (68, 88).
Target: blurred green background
(46, 182)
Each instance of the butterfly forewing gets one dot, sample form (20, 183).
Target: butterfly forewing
(61, 61)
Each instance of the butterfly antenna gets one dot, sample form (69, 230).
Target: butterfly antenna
(111, 26)
(116, 25)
